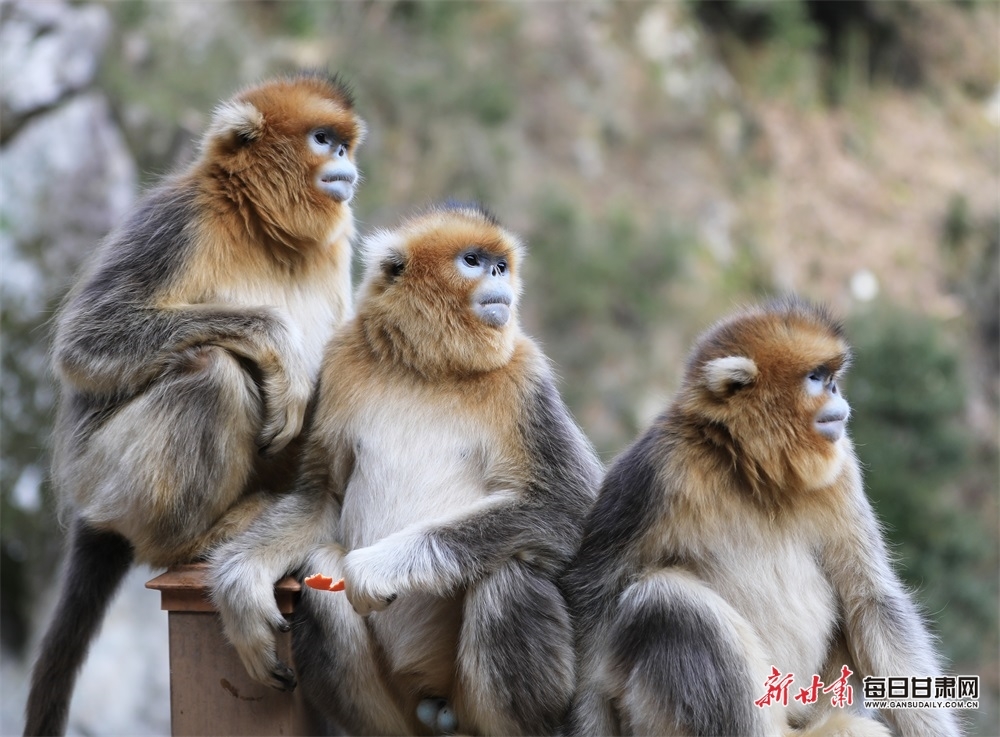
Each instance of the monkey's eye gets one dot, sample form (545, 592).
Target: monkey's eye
(816, 381)
(472, 259)
(322, 140)
(820, 373)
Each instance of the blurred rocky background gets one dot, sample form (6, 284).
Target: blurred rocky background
(665, 162)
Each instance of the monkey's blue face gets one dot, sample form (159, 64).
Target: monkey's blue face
(493, 297)
(337, 176)
(831, 419)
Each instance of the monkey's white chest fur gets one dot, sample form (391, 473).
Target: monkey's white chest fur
(313, 306)
(787, 600)
(417, 463)
(413, 465)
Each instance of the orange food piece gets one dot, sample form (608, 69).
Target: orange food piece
(323, 583)
(318, 581)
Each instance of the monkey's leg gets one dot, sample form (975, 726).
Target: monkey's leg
(167, 465)
(244, 569)
(885, 631)
(843, 724)
(96, 564)
(684, 662)
(591, 712)
(825, 720)
(515, 654)
(337, 661)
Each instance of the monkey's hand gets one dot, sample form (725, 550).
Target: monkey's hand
(412, 559)
(250, 617)
(287, 386)
(366, 584)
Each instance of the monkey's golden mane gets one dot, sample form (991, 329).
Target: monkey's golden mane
(255, 168)
(759, 425)
(416, 308)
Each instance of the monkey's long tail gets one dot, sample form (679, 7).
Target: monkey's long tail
(96, 564)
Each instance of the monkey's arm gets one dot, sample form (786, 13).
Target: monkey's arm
(115, 336)
(885, 632)
(120, 347)
(244, 570)
(124, 348)
(440, 556)
(537, 518)
(103, 359)
(629, 501)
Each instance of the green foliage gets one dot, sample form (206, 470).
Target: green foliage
(131, 13)
(299, 17)
(792, 36)
(602, 268)
(773, 43)
(602, 281)
(800, 47)
(957, 226)
(492, 101)
(970, 249)
(747, 275)
(159, 132)
(908, 401)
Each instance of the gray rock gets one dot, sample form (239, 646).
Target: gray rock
(66, 178)
(48, 50)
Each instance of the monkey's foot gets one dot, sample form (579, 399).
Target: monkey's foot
(438, 715)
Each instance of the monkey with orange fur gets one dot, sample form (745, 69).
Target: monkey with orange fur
(446, 482)
(188, 351)
(735, 536)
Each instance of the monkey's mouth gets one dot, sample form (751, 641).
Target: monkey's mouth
(328, 178)
(494, 309)
(337, 182)
(498, 300)
(832, 424)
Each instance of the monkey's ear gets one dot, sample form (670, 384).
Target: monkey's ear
(725, 375)
(392, 265)
(235, 123)
(384, 253)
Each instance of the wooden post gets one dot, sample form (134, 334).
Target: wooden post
(210, 691)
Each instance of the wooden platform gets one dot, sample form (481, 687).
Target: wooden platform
(210, 691)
